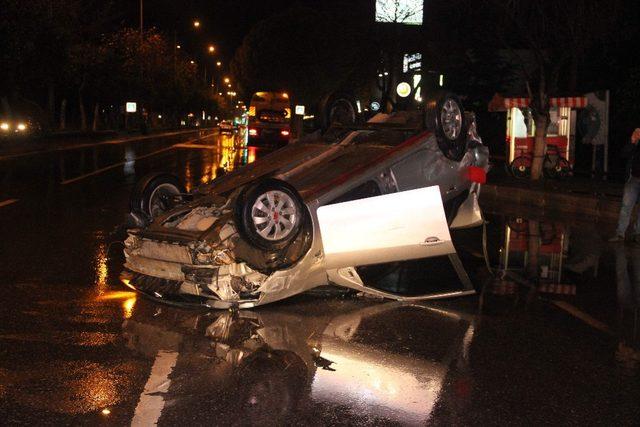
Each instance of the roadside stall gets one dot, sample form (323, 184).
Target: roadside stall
(520, 128)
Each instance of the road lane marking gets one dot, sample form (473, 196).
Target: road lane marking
(7, 202)
(96, 144)
(151, 401)
(117, 165)
(187, 145)
(586, 318)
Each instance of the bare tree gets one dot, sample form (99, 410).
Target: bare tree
(557, 35)
(399, 11)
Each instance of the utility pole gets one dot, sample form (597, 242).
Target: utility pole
(141, 20)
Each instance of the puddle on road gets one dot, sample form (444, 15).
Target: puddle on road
(267, 365)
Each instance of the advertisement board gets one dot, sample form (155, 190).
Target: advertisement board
(408, 12)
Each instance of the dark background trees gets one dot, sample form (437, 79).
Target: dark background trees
(75, 62)
(307, 52)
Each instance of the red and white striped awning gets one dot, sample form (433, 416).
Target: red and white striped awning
(498, 103)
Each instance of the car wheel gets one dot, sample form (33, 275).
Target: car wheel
(337, 109)
(270, 214)
(446, 117)
(156, 194)
(521, 167)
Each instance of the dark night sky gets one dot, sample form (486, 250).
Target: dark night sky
(226, 22)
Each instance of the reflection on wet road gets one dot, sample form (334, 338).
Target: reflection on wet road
(268, 365)
(552, 336)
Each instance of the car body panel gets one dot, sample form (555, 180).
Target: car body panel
(383, 229)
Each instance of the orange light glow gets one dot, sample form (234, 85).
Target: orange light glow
(196, 23)
(251, 154)
(226, 80)
(127, 307)
(284, 132)
(212, 49)
(285, 95)
(115, 295)
(127, 283)
(253, 132)
(101, 269)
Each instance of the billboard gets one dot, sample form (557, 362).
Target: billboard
(408, 12)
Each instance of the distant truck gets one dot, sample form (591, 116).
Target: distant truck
(269, 119)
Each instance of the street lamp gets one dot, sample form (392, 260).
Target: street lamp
(218, 64)
(226, 80)
(178, 46)
(212, 48)
(196, 24)
(192, 62)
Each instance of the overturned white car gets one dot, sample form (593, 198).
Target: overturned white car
(313, 213)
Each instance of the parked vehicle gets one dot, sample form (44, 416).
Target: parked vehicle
(312, 213)
(269, 119)
(226, 127)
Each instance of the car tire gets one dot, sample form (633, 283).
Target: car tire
(270, 214)
(446, 118)
(338, 109)
(521, 167)
(561, 169)
(155, 194)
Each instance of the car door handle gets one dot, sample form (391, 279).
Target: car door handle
(432, 241)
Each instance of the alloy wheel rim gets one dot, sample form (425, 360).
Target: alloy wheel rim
(451, 119)
(158, 201)
(274, 215)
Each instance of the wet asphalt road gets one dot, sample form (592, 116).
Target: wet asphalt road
(77, 348)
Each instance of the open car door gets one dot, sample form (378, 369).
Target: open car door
(381, 232)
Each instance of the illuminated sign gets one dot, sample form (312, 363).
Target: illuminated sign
(403, 89)
(408, 12)
(300, 110)
(375, 106)
(411, 62)
(131, 107)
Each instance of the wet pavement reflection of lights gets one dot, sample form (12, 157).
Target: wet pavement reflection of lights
(127, 307)
(116, 295)
(335, 354)
(101, 269)
(188, 177)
